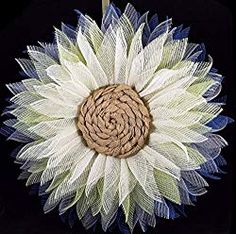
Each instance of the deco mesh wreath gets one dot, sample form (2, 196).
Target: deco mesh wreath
(120, 121)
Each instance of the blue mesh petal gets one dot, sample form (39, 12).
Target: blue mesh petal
(172, 211)
(159, 30)
(202, 56)
(219, 122)
(51, 50)
(181, 33)
(6, 131)
(208, 175)
(81, 20)
(154, 21)
(123, 227)
(69, 30)
(220, 161)
(111, 12)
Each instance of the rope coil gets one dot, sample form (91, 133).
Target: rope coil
(114, 121)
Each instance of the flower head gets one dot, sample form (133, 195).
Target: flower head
(118, 119)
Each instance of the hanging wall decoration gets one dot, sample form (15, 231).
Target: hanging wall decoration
(118, 122)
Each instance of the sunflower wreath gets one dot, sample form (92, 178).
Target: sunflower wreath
(118, 122)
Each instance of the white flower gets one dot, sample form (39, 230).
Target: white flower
(172, 83)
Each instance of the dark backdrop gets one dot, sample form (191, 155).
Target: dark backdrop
(27, 22)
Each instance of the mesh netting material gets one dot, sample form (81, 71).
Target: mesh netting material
(167, 72)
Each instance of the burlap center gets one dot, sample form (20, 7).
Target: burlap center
(114, 121)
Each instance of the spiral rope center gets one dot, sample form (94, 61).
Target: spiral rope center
(114, 121)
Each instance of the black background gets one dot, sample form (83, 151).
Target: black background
(26, 22)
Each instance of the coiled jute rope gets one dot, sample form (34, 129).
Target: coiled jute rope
(114, 121)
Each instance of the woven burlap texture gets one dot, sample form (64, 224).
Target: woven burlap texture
(114, 121)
